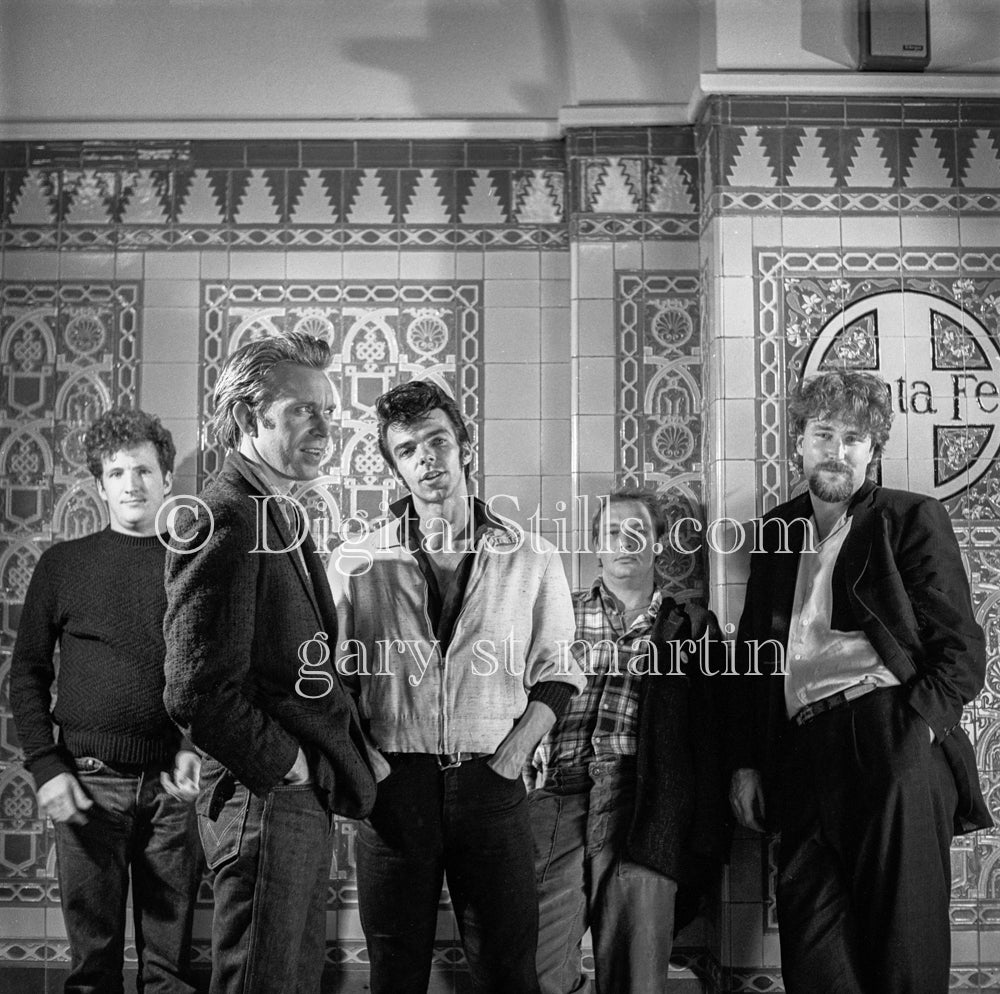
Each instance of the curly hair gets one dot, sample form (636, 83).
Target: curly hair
(650, 501)
(246, 377)
(408, 403)
(124, 428)
(859, 399)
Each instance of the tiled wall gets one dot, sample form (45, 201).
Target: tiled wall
(129, 271)
(859, 233)
(624, 303)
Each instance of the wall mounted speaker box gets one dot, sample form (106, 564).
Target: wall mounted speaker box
(894, 35)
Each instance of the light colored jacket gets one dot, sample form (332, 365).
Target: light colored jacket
(512, 632)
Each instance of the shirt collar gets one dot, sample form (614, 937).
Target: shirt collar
(599, 592)
(405, 511)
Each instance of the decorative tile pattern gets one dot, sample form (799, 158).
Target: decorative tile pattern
(334, 194)
(660, 407)
(843, 156)
(69, 351)
(381, 334)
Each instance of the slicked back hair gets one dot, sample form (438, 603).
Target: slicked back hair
(125, 428)
(410, 403)
(621, 495)
(246, 377)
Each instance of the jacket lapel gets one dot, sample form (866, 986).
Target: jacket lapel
(276, 523)
(786, 568)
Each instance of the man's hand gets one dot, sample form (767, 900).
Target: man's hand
(184, 782)
(746, 798)
(516, 749)
(299, 773)
(62, 799)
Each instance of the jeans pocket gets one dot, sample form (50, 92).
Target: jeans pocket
(221, 836)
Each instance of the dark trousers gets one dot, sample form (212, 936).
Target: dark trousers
(270, 858)
(581, 817)
(471, 825)
(134, 825)
(864, 868)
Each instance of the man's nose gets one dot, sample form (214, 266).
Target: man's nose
(837, 448)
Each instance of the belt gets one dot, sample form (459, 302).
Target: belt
(832, 702)
(445, 760)
(449, 760)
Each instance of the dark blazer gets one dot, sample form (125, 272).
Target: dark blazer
(899, 579)
(235, 623)
(681, 823)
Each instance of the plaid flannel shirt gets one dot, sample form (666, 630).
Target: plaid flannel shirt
(600, 724)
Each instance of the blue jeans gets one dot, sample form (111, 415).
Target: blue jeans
(471, 825)
(134, 824)
(270, 859)
(580, 817)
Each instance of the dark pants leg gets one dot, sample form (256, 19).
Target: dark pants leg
(400, 871)
(132, 821)
(271, 861)
(864, 866)
(491, 877)
(473, 824)
(166, 865)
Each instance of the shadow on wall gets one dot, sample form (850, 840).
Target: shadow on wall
(830, 30)
(467, 33)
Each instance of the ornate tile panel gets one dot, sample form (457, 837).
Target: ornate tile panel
(850, 156)
(276, 194)
(69, 351)
(660, 406)
(381, 334)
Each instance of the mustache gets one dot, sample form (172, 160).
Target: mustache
(832, 466)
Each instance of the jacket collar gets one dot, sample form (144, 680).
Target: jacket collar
(240, 471)
(483, 524)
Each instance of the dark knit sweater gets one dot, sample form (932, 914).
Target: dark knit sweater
(101, 600)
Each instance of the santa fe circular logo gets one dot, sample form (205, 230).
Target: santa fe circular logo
(942, 369)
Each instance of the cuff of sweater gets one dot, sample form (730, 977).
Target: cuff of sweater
(49, 765)
(554, 694)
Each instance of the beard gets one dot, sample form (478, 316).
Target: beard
(835, 490)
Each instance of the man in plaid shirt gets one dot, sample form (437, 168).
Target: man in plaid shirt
(582, 806)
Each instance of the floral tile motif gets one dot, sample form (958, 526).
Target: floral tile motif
(660, 406)
(381, 335)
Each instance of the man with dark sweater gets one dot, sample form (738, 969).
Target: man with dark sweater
(107, 761)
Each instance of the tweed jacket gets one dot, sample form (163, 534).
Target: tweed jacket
(899, 578)
(235, 627)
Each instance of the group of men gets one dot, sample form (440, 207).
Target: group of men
(460, 672)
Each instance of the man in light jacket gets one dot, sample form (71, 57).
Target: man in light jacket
(455, 629)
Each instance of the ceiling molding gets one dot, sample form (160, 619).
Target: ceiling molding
(524, 129)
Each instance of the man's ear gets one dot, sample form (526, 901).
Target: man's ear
(168, 482)
(466, 453)
(245, 418)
